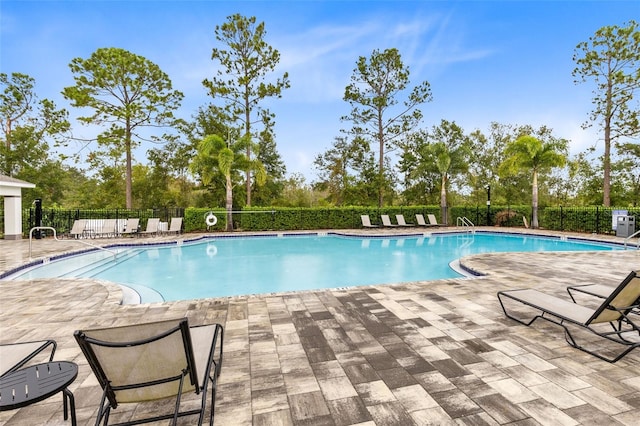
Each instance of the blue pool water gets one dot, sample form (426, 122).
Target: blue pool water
(248, 265)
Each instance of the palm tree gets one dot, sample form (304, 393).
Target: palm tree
(447, 156)
(216, 156)
(530, 153)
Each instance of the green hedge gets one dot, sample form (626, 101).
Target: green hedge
(281, 219)
(577, 219)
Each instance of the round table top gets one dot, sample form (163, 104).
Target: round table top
(35, 383)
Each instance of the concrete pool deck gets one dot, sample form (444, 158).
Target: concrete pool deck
(438, 352)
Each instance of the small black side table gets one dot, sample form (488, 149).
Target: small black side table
(38, 382)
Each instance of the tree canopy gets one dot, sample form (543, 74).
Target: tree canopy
(127, 96)
(611, 58)
(241, 81)
(534, 155)
(126, 92)
(226, 158)
(377, 85)
(28, 126)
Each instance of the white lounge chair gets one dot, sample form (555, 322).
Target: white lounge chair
(78, 228)
(386, 221)
(152, 226)
(420, 220)
(433, 221)
(131, 228)
(401, 221)
(175, 226)
(366, 222)
(108, 228)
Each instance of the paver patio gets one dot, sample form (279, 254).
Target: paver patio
(421, 353)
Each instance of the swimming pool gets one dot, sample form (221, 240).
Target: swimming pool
(228, 266)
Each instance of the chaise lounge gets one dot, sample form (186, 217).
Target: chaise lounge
(433, 221)
(386, 221)
(131, 228)
(78, 228)
(175, 227)
(152, 226)
(420, 220)
(614, 311)
(402, 222)
(366, 222)
(108, 229)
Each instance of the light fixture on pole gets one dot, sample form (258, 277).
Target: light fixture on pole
(488, 204)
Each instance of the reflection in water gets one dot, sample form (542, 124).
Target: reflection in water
(212, 250)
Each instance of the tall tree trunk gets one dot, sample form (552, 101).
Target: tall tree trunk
(534, 201)
(128, 172)
(247, 128)
(229, 204)
(8, 167)
(606, 161)
(7, 132)
(606, 164)
(380, 161)
(443, 200)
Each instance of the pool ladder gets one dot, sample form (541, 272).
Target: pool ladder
(635, 234)
(466, 223)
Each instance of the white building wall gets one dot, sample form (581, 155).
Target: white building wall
(13, 217)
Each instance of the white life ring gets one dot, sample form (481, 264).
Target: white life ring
(211, 219)
(212, 250)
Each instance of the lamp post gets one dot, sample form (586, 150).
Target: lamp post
(488, 204)
(38, 204)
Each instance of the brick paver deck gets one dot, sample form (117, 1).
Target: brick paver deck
(423, 353)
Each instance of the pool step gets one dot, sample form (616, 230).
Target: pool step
(103, 266)
(93, 268)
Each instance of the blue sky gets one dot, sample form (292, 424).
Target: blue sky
(503, 61)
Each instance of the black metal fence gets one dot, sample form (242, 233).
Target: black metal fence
(62, 220)
(595, 219)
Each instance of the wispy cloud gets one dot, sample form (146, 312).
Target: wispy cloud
(486, 60)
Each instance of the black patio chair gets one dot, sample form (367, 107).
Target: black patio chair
(153, 361)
